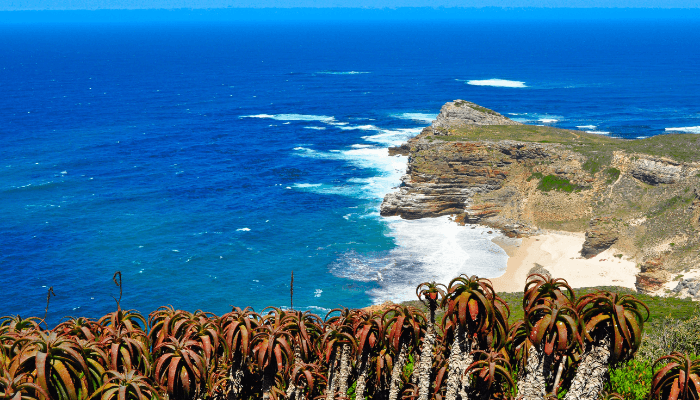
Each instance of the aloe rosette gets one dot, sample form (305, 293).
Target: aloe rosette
(403, 330)
(179, 366)
(612, 331)
(678, 379)
(128, 385)
(492, 373)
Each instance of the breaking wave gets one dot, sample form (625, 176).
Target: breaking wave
(429, 249)
(685, 129)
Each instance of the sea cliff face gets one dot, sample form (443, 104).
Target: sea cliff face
(643, 196)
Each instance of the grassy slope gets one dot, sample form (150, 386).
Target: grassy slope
(680, 147)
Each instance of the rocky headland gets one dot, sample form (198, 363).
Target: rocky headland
(642, 196)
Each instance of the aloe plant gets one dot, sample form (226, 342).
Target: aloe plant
(367, 329)
(540, 289)
(20, 386)
(472, 311)
(179, 366)
(431, 294)
(58, 364)
(128, 321)
(679, 379)
(613, 332)
(128, 385)
(79, 328)
(309, 381)
(492, 373)
(338, 346)
(404, 329)
(237, 329)
(553, 329)
(272, 352)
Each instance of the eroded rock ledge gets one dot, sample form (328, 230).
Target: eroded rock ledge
(485, 168)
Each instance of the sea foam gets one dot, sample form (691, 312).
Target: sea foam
(497, 83)
(429, 249)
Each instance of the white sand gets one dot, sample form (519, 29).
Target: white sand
(559, 253)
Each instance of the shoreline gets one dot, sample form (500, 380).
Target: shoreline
(558, 253)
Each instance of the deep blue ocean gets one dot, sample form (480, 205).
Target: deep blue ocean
(207, 161)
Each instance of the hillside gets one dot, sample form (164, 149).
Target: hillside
(642, 195)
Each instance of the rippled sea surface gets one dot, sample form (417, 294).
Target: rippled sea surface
(207, 161)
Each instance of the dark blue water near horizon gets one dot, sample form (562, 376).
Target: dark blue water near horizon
(206, 161)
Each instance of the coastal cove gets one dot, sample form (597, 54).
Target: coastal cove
(628, 211)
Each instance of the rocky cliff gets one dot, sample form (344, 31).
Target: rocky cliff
(641, 195)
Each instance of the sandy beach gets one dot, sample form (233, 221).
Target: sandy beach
(558, 253)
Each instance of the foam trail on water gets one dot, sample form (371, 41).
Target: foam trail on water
(599, 132)
(548, 120)
(293, 117)
(497, 83)
(586, 126)
(685, 129)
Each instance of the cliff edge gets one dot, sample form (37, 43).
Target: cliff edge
(642, 195)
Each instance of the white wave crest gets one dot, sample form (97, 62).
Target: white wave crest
(243, 229)
(421, 117)
(599, 132)
(685, 129)
(319, 128)
(548, 120)
(359, 127)
(293, 117)
(497, 83)
(586, 126)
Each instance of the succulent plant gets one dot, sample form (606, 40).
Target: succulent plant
(678, 379)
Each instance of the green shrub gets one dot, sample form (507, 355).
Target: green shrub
(592, 165)
(664, 336)
(553, 182)
(613, 174)
(631, 379)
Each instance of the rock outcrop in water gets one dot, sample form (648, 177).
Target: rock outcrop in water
(640, 195)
